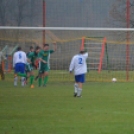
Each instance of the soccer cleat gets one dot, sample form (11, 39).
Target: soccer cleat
(75, 94)
(79, 96)
(32, 86)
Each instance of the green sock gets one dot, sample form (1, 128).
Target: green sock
(39, 81)
(22, 75)
(45, 80)
(31, 79)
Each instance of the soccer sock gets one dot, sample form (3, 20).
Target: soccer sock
(22, 81)
(79, 92)
(22, 74)
(39, 81)
(31, 79)
(45, 80)
(75, 87)
(15, 80)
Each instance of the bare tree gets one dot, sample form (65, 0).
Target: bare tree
(118, 17)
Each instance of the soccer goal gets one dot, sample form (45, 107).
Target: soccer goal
(110, 51)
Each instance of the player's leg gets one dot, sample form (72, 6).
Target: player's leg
(39, 66)
(40, 79)
(36, 78)
(16, 70)
(47, 68)
(80, 79)
(79, 92)
(31, 79)
(29, 69)
(76, 85)
(41, 73)
(22, 71)
(45, 78)
(75, 89)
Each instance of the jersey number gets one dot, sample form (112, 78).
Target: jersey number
(20, 56)
(80, 61)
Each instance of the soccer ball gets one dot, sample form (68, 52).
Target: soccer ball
(114, 79)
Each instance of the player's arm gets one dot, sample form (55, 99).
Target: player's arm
(28, 60)
(71, 67)
(40, 59)
(29, 56)
(55, 46)
(85, 55)
(25, 58)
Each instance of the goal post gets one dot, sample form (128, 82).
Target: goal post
(91, 44)
(107, 55)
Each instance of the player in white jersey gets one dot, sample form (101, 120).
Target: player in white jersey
(79, 66)
(19, 62)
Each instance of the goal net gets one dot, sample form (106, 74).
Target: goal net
(111, 52)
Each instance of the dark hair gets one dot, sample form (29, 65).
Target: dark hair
(82, 51)
(37, 47)
(45, 45)
(31, 47)
(19, 48)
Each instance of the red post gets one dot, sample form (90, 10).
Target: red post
(82, 43)
(127, 39)
(102, 54)
(44, 21)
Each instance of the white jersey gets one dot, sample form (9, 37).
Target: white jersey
(19, 57)
(78, 64)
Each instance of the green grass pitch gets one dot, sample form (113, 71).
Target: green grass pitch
(104, 108)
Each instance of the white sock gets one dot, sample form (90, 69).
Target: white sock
(79, 92)
(22, 81)
(15, 81)
(75, 88)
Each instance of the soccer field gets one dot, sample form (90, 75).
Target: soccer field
(104, 108)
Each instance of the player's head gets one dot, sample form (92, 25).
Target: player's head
(45, 46)
(82, 52)
(19, 48)
(31, 48)
(37, 49)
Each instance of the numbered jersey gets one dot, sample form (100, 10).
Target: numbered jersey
(19, 57)
(78, 64)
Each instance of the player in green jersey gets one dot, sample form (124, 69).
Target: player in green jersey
(44, 66)
(32, 56)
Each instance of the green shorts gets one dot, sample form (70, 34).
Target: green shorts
(43, 68)
(29, 67)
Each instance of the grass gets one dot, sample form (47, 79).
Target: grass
(105, 108)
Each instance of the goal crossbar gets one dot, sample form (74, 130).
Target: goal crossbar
(66, 28)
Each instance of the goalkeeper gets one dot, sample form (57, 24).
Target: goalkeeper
(44, 67)
(31, 57)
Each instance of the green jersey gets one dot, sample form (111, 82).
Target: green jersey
(32, 56)
(45, 55)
